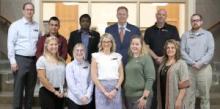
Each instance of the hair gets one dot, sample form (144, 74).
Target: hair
(196, 14)
(27, 3)
(122, 7)
(54, 18)
(144, 48)
(46, 52)
(85, 16)
(177, 47)
(76, 46)
(109, 36)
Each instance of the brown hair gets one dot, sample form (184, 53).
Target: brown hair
(177, 47)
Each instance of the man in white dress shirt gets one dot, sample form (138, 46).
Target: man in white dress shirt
(22, 38)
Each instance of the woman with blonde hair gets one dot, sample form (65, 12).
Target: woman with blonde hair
(51, 73)
(79, 83)
(140, 75)
(172, 79)
(107, 74)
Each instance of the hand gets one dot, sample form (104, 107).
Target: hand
(159, 60)
(112, 93)
(197, 66)
(178, 104)
(141, 103)
(14, 67)
(84, 99)
(58, 94)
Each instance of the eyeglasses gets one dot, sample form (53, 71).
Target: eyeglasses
(195, 20)
(106, 41)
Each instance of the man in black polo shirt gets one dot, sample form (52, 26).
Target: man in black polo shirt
(156, 36)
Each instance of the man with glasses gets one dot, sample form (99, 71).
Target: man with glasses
(22, 38)
(197, 49)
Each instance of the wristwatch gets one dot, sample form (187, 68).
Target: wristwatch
(116, 89)
(145, 98)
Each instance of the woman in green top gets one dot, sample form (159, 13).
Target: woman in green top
(139, 77)
(172, 79)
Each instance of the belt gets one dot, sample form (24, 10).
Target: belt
(30, 57)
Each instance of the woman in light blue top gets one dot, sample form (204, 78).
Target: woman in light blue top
(79, 83)
(51, 73)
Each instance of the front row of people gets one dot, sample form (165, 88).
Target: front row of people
(106, 73)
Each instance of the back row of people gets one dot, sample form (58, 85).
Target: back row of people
(24, 34)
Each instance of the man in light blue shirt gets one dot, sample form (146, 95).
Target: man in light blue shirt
(22, 38)
(197, 49)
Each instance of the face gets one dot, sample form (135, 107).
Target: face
(171, 50)
(85, 23)
(54, 26)
(52, 47)
(106, 44)
(136, 46)
(79, 53)
(161, 16)
(28, 11)
(196, 22)
(122, 16)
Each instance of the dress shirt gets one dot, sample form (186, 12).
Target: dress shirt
(62, 49)
(22, 39)
(197, 47)
(85, 40)
(124, 27)
(79, 82)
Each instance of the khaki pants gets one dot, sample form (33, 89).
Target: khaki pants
(200, 85)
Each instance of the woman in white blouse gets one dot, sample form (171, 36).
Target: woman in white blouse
(79, 83)
(51, 73)
(107, 74)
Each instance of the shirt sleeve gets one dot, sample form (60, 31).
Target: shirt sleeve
(71, 83)
(210, 51)
(64, 48)
(184, 54)
(149, 73)
(183, 73)
(40, 46)
(40, 63)
(90, 87)
(176, 34)
(12, 37)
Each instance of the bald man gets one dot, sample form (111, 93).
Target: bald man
(156, 36)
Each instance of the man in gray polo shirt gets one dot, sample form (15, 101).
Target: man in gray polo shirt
(197, 49)
(22, 38)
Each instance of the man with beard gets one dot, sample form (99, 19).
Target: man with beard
(197, 49)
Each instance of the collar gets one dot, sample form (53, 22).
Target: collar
(165, 26)
(26, 21)
(197, 33)
(78, 63)
(125, 27)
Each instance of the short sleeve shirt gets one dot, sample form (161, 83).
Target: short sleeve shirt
(55, 72)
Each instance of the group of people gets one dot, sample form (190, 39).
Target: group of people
(117, 70)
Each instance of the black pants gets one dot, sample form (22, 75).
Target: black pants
(48, 100)
(73, 105)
